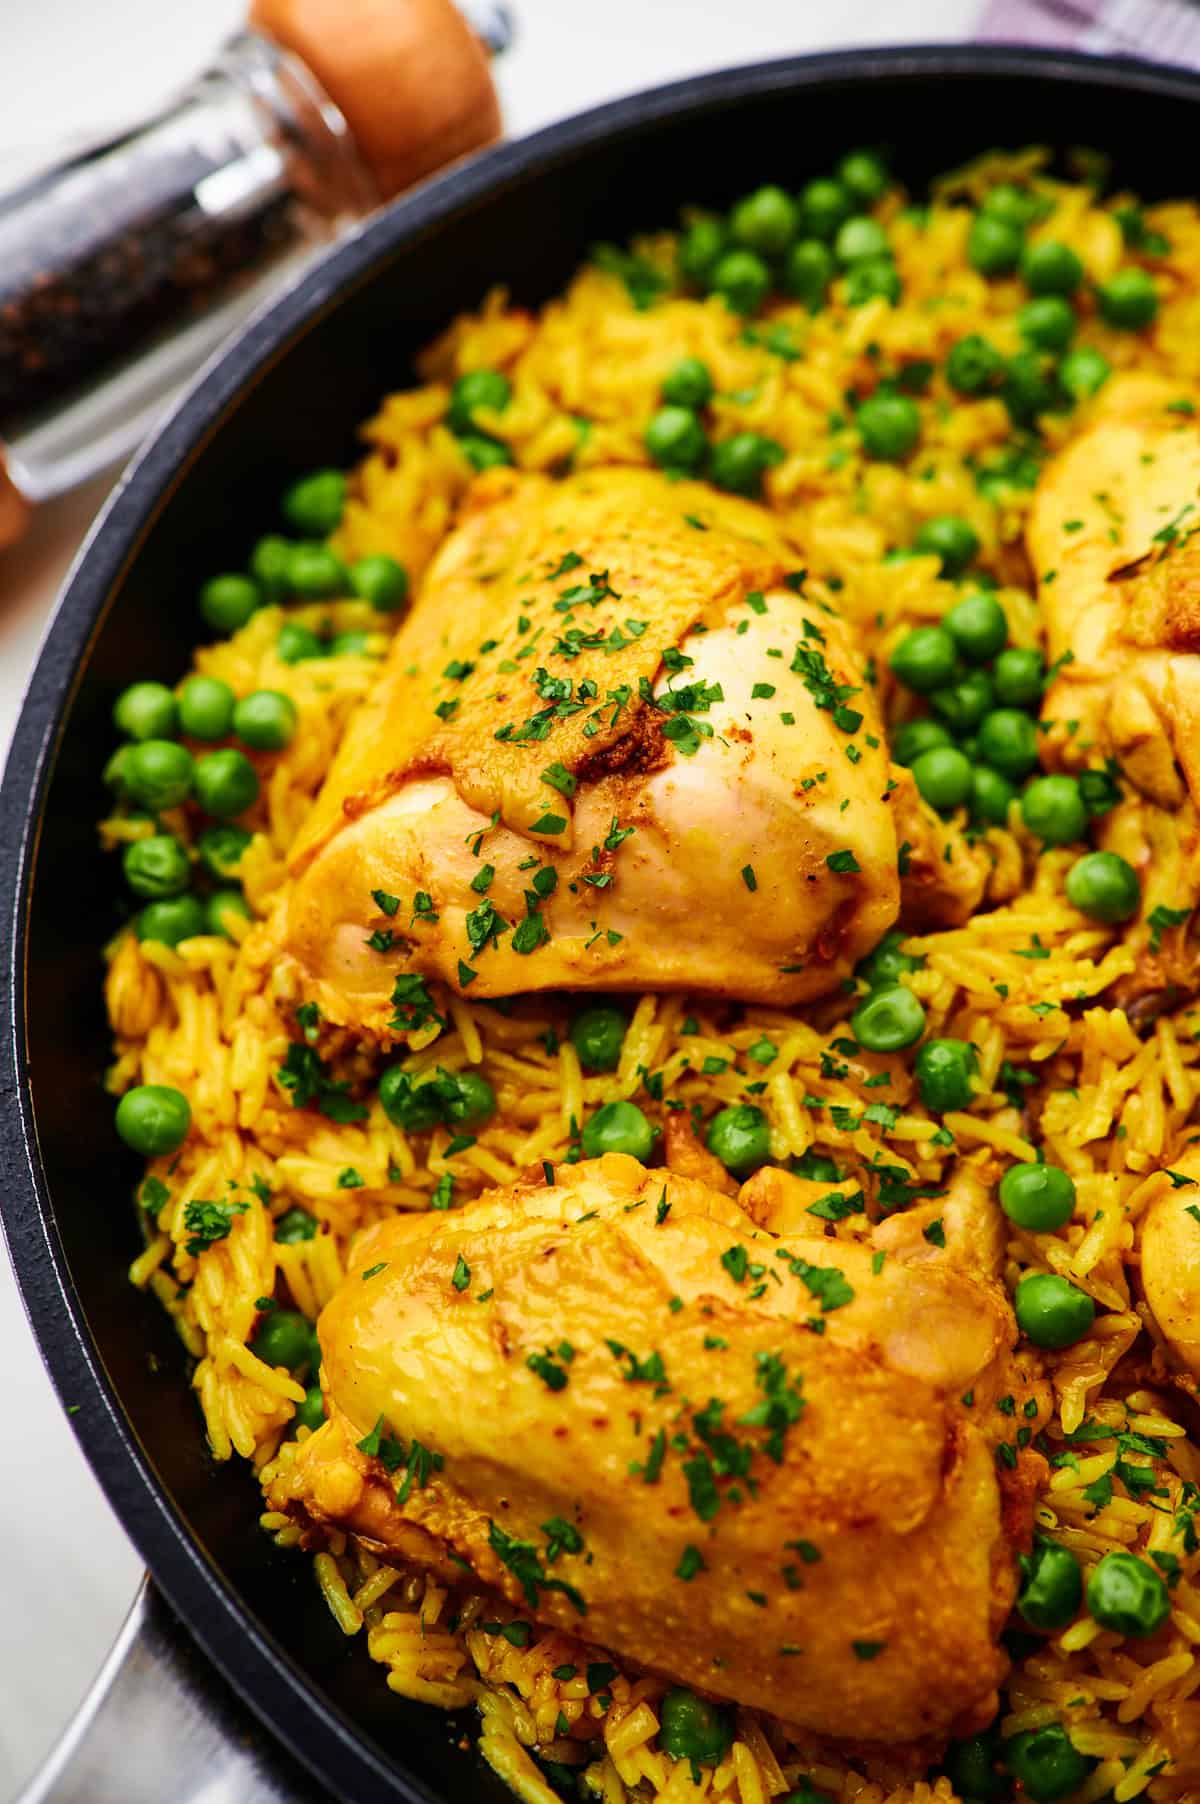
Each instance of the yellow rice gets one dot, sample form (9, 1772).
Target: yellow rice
(214, 1018)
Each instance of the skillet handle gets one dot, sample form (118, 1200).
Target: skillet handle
(160, 1723)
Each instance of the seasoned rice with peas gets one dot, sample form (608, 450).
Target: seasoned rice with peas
(290, 1150)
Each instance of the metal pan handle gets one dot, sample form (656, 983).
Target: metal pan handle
(160, 1723)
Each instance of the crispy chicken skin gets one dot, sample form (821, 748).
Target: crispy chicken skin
(843, 1499)
(1109, 537)
(515, 726)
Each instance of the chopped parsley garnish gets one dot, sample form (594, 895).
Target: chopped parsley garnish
(553, 1376)
(462, 1274)
(1160, 919)
(842, 862)
(691, 1561)
(208, 1222)
(306, 1077)
(387, 905)
(525, 1563)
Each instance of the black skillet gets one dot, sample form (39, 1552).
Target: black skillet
(288, 395)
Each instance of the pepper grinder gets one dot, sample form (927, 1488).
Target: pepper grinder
(124, 268)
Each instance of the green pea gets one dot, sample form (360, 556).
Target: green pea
(1046, 1763)
(676, 440)
(173, 919)
(1083, 372)
(864, 176)
(413, 1107)
(860, 239)
(975, 366)
(153, 1119)
(875, 278)
(1104, 887)
(943, 777)
(944, 1069)
(310, 1413)
(1047, 322)
(618, 1127)
(978, 627)
(889, 426)
(692, 1728)
(597, 1036)
(265, 720)
(740, 1136)
(482, 452)
(917, 736)
(1018, 675)
(700, 247)
(688, 383)
(222, 906)
(808, 272)
(1053, 1588)
(115, 775)
(315, 571)
(742, 280)
(964, 704)
(284, 1338)
(889, 1019)
(883, 966)
(314, 504)
(1008, 742)
(925, 659)
(1049, 267)
(951, 538)
(159, 774)
(824, 204)
(296, 643)
(1051, 1312)
(221, 850)
(807, 1793)
(489, 389)
(226, 783)
(381, 581)
(352, 645)
(1008, 202)
(971, 1768)
(993, 245)
(468, 1099)
(146, 711)
(295, 1225)
(1128, 299)
(765, 221)
(739, 463)
(1038, 1197)
(1031, 387)
(1054, 809)
(271, 565)
(1127, 1595)
(156, 867)
(227, 602)
(991, 796)
(205, 708)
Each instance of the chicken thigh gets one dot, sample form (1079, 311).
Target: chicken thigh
(762, 1467)
(614, 747)
(1112, 539)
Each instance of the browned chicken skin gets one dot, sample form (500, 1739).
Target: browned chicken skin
(588, 1390)
(1111, 539)
(613, 747)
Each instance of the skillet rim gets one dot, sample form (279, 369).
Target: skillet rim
(282, 1697)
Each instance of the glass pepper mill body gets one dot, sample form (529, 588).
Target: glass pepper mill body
(122, 270)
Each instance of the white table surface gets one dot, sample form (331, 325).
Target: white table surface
(69, 1572)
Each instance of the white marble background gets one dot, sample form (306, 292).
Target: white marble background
(70, 69)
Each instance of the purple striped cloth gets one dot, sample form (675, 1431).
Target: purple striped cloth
(1165, 31)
